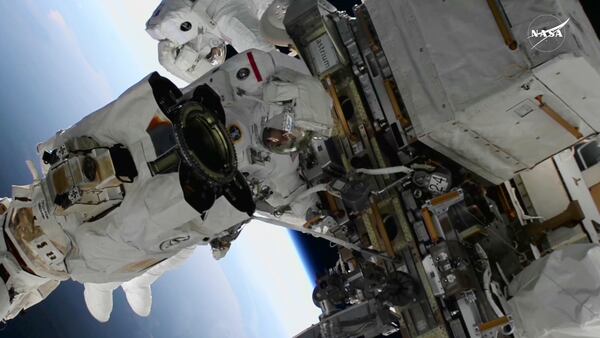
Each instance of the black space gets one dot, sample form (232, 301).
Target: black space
(592, 9)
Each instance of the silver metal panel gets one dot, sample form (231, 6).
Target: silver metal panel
(402, 39)
(457, 329)
(470, 314)
(545, 189)
(529, 139)
(575, 81)
(323, 54)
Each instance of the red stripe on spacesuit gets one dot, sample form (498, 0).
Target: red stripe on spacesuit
(254, 67)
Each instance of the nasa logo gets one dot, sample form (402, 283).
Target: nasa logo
(547, 33)
(173, 242)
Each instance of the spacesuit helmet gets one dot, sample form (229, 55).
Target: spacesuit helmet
(282, 135)
(298, 109)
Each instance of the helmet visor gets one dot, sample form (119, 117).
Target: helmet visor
(280, 135)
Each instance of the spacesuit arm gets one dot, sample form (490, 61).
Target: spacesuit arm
(242, 30)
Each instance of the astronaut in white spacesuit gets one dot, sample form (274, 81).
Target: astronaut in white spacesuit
(193, 35)
(132, 188)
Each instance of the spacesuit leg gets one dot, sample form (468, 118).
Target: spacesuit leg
(138, 290)
(99, 299)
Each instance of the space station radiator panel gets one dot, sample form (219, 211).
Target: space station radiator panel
(478, 89)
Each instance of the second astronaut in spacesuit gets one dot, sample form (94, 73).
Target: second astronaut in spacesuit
(193, 34)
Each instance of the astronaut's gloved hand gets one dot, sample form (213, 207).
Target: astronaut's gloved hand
(220, 251)
(317, 218)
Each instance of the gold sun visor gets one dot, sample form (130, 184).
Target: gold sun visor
(282, 135)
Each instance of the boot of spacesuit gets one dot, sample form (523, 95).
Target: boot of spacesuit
(192, 34)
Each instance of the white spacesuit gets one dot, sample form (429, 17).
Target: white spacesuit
(193, 35)
(131, 189)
